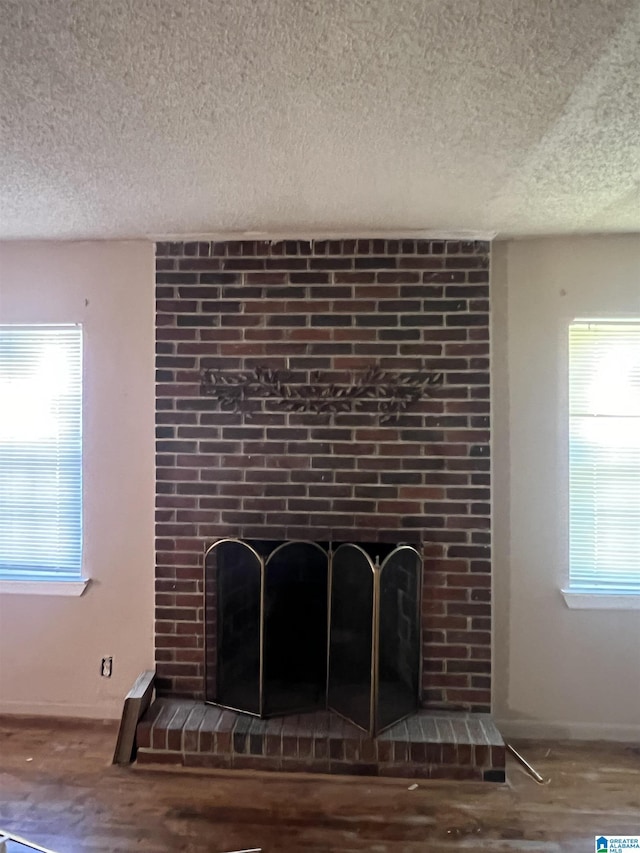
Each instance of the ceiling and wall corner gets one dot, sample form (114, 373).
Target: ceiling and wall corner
(143, 118)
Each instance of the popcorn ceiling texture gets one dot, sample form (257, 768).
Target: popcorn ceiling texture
(130, 118)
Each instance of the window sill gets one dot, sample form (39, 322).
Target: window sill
(42, 587)
(576, 600)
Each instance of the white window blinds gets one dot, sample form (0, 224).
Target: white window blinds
(40, 452)
(604, 456)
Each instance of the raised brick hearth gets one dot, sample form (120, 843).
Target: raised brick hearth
(428, 745)
(335, 307)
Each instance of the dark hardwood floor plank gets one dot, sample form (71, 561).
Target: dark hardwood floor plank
(58, 787)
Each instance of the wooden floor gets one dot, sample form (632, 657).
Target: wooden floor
(58, 788)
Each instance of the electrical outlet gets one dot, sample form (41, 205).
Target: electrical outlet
(106, 667)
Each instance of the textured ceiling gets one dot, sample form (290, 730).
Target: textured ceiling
(128, 118)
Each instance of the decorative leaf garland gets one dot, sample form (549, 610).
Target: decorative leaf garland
(394, 392)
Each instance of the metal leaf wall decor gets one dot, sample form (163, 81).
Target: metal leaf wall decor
(393, 392)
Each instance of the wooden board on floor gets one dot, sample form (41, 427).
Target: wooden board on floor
(136, 703)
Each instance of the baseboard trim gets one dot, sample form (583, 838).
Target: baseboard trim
(59, 710)
(543, 730)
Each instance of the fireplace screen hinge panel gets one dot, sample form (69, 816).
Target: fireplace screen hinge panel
(300, 626)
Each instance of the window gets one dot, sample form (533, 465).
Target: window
(40, 453)
(604, 457)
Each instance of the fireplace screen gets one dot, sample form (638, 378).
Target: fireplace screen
(298, 626)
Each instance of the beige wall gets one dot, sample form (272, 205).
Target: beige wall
(558, 671)
(50, 647)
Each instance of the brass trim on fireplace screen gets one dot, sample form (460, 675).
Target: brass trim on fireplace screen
(204, 593)
(377, 569)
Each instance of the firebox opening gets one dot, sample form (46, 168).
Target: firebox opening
(297, 626)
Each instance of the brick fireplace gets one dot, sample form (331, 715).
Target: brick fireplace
(333, 308)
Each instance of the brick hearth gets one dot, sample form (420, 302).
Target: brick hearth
(428, 745)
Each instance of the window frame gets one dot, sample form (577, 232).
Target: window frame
(55, 585)
(578, 598)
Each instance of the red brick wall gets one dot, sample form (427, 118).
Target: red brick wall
(331, 306)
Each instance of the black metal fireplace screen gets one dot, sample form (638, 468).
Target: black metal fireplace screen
(299, 626)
